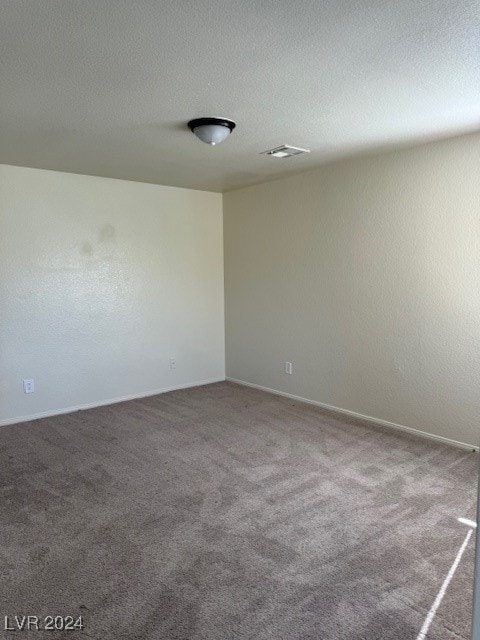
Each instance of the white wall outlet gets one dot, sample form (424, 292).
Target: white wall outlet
(173, 363)
(289, 368)
(28, 386)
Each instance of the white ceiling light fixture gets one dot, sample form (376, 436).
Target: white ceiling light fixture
(285, 151)
(212, 130)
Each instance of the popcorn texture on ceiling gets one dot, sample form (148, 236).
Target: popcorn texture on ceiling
(106, 88)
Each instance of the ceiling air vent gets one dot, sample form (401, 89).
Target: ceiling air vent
(285, 151)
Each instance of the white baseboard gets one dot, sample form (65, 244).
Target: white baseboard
(353, 414)
(103, 403)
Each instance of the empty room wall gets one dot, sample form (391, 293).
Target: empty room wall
(102, 282)
(365, 275)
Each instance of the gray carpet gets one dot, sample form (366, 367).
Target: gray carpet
(222, 513)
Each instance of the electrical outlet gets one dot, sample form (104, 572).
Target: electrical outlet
(173, 363)
(28, 386)
(288, 368)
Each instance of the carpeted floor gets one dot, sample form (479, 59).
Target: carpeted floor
(222, 513)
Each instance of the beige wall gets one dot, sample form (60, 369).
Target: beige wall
(365, 274)
(102, 281)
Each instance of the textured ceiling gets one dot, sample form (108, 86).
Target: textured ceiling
(105, 87)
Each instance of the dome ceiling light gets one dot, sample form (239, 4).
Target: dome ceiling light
(212, 130)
